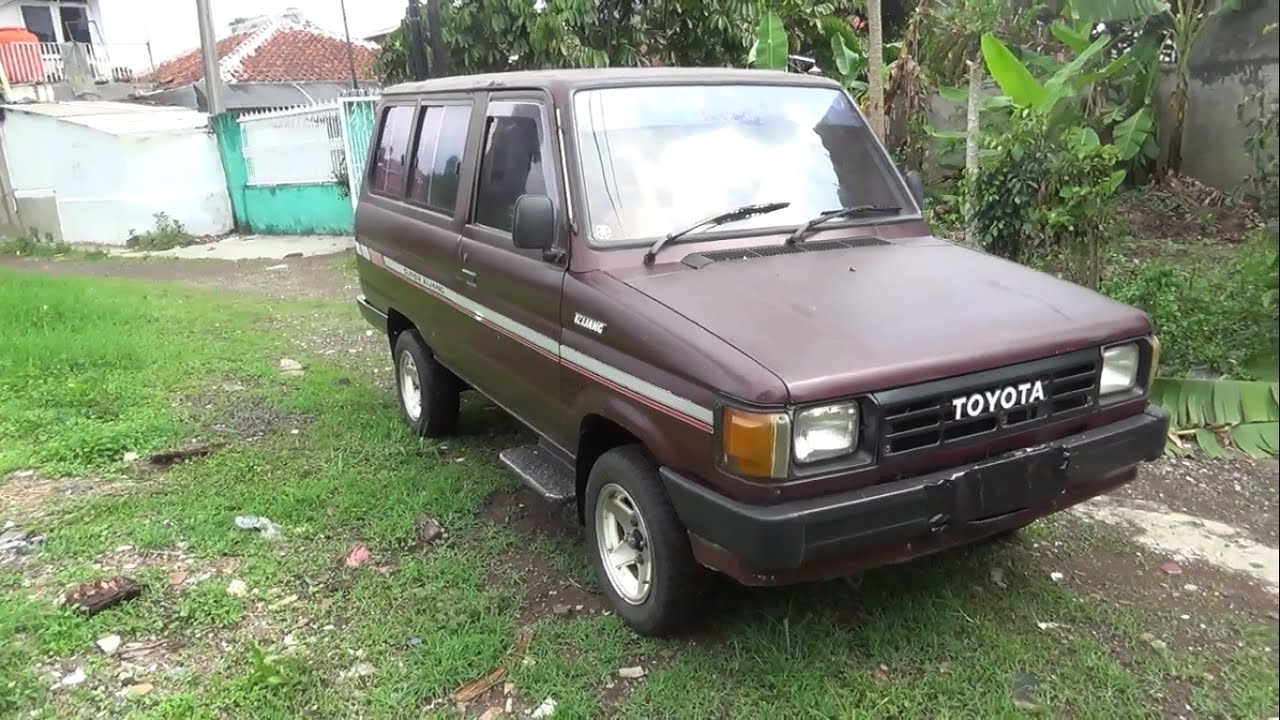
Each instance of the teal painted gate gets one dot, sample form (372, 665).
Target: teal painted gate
(357, 126)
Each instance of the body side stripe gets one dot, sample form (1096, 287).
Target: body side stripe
(633, 386)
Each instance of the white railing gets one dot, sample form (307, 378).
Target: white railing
(299, 145)
(26, 63)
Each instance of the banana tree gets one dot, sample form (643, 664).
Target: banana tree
(1187, 20)
(1056, 99)
(771, 46)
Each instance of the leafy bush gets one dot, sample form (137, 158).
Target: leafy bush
(1047, 181)
(1047, 192)
(32, 245)
(167, 234)
(1220, 316)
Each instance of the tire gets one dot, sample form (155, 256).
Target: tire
(676, 583)
(437, 390)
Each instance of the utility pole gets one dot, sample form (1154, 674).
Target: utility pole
(209, 51)
(439, 61)
(417, 48)
(351, 51)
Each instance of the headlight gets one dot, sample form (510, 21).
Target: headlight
(755, 444)
(826, 432)
(1119, 368)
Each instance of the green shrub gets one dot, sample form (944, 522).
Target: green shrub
(1041, 191)
(32, 245)
(1047, 183)
(167, 234)
(1216, 315)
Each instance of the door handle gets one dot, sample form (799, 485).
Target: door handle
(469, 276)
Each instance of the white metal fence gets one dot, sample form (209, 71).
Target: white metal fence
(46, 62)
(300, 145)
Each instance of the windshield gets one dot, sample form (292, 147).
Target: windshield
(655, 159)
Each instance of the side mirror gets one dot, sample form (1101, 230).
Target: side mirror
(533, 225)
(916, 184)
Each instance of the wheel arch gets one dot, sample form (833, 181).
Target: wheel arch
(603, 429)
(397, 323)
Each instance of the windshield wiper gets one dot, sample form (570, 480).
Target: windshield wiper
(741, 213)
(848, 212)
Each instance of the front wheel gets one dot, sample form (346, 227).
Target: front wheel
(639, 547)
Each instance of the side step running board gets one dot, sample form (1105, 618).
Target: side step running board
(544, 472)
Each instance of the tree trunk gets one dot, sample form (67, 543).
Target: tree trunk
(1187, 24)
(971, 146)
(875, 68)
(1173, 158)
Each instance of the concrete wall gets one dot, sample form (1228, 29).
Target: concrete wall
(107, 186)
(292, 209)
(1232, 60)
(312, 209)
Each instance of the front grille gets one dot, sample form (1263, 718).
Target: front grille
(923, 416)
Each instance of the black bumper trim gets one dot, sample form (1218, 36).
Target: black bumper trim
(788, 535)
(372, 315)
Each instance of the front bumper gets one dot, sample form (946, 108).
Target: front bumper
(933, 511)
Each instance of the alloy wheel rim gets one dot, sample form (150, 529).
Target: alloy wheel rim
(410, 387)
(622, 539)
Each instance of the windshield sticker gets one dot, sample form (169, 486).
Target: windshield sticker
(602, 232)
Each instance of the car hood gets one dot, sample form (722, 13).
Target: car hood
(852, 320)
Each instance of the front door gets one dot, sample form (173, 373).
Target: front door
(514, 353)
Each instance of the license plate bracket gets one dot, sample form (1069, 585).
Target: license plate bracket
(1004, 485)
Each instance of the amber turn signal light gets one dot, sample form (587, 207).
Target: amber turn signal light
(755, 444)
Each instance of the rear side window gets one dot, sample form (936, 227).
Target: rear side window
(516, 162)
(389, 164)
(442, 139)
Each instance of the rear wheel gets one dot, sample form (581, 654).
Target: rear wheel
(640, 549)
(428, 393)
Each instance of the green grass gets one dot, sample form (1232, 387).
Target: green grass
(1209, 303)
(32, 246)
(92, 369)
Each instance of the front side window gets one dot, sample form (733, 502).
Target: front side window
(516, 162)
(387, 175)
(656, 159)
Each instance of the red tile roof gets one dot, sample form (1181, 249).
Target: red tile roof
(302, 55)
(288, 54)
(189, 68)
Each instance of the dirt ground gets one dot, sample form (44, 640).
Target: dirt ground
(323, 277)
(1240, 493)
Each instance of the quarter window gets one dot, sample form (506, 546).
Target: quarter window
(393, 145)
(516, 162)
(442, 138)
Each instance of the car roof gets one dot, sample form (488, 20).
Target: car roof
(573, 79)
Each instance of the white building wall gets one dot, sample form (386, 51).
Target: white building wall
(106, 186)
(11, 15)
